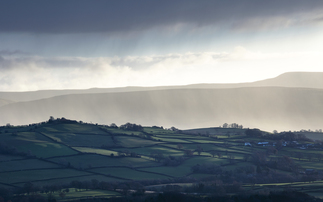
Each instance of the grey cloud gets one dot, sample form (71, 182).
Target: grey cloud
(149, 61)
(133, 62)
(7, 63)
(10, 52)
(83, 16)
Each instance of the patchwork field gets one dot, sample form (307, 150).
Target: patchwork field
(61, 154)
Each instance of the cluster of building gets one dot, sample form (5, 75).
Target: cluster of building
(294, 144)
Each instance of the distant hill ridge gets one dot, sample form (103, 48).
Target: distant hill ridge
(291, 79)
(268, 108)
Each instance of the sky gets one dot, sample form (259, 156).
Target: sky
(80, 44)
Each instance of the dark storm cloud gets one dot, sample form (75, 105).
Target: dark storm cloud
(75, 16)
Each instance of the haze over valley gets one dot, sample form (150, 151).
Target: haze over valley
(291, 101)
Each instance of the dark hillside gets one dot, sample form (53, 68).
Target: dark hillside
(101, 160)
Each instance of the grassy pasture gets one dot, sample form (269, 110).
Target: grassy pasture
(130, 141)
(96, 151)
(128, 173)
(46, 149)
(37, 144)
(205, 147)
(210, 147)
(173, 140)
(201, 160)
(205, 141)
(9, 157)
(34, 175)
(117, 131)
(310, 164)
(176, 171)
(185, 168)
(25, 164)
(242, 149)
(91, 161)
(136, 162)
(89, 140)
(84, 161)
(23, 138)
(68, 180)
(73, 128)
(146, 151)
(177, 136)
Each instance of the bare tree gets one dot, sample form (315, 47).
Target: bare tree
(199, 149)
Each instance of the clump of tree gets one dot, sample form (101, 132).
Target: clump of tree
(175, 129)
(131, 126)
(158, 127)
(158, 156)
(232, 125)
(199, 149)
(6, 149)
(113, 125)
(173, 161)
(60, 120)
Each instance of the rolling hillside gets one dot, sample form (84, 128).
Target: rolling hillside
(98, 160)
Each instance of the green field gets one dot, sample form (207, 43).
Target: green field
(155, 149)
(95, 151)
(26, 164)
(75, 140)
(130, 141)
(178, 171)
(47, 149)
(73, 128)
(37, 175)
(174, 140)
(87, 161)
(68, 180)
(9, 157)
(128, 173)
(59, 153)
